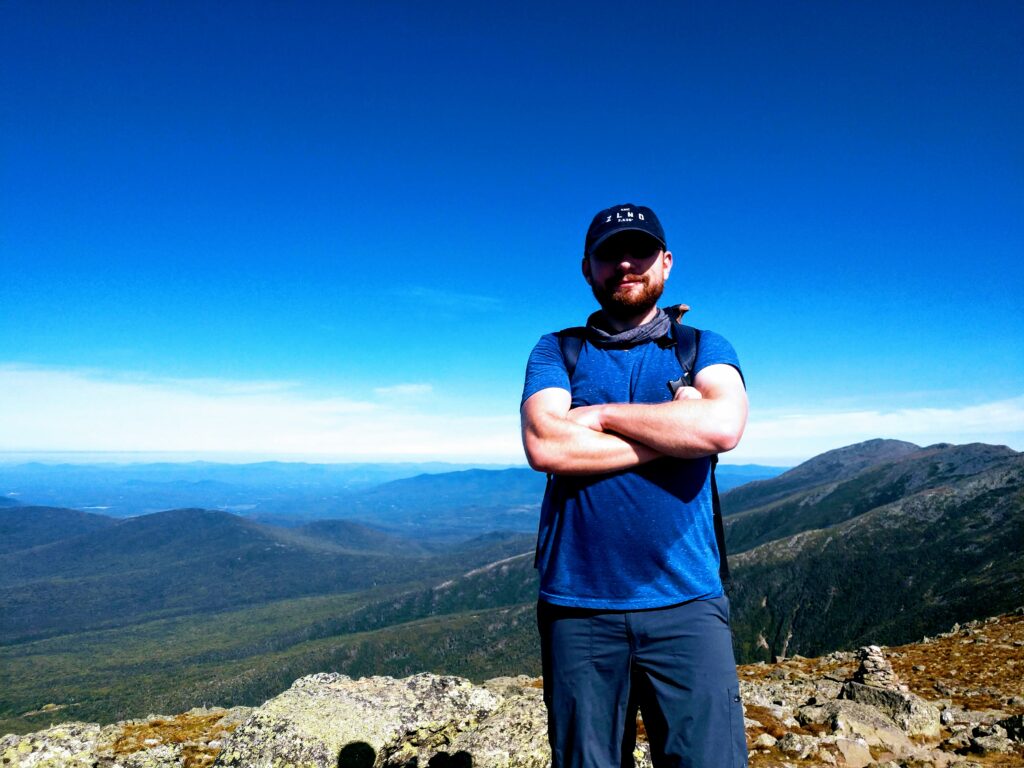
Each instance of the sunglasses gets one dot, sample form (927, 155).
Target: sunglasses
(637, 246)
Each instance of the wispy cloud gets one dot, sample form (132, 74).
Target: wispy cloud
(797, 434)
(404, 390)
(51, 409)
(438, 299)
(43, 409)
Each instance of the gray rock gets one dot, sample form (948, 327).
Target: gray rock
(858, 721)
(911, 713)
(991, 745)
(309, 724)
(797, 745)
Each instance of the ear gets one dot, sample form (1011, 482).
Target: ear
(666, 263)
(586, 270)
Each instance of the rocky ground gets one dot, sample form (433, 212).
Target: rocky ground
(952, 701)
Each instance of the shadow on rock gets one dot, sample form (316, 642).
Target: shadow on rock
(356, 754)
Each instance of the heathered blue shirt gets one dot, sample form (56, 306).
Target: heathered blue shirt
(639, 538)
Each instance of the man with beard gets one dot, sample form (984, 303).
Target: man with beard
(632, 613)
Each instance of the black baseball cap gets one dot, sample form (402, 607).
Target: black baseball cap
(622, 218)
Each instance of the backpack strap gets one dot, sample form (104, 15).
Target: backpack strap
(570, 342)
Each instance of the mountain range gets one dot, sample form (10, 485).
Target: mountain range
(882, 541)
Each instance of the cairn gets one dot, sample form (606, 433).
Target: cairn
(875, 670)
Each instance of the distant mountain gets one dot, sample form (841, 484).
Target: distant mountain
(121, 490)
(190, 560)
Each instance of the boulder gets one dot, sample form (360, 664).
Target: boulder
(911, 713)
(858, 721)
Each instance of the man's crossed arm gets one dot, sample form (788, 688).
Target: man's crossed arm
(702, 420)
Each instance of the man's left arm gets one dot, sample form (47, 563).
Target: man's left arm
(685, 427)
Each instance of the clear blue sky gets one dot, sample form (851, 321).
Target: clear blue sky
(336, 230)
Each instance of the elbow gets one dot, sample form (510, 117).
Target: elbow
(726, 436)
(538, 456)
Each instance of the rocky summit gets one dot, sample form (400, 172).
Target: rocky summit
(951, 701)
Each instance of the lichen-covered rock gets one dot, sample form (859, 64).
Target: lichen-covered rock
(515, 735)
(68, 745)
(308, 725)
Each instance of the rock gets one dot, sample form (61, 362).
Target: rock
(855, 752)
(797, 745)
(310, 723)
(765, 740)
(68, 745)
(514, 734)
(911, 713)
(858, 721)
(991, 745)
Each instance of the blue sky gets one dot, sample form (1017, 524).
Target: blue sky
(335, 230)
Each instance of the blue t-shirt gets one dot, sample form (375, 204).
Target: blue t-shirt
(638, 538)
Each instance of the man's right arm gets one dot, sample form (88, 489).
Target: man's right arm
(558, 443)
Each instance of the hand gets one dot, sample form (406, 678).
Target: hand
(588, 416)
(688, 393)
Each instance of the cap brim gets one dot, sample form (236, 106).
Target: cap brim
(597, 243)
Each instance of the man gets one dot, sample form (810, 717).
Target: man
(632, 612)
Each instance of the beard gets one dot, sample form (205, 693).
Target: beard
(627, 304)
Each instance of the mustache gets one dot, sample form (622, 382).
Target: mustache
(624, 279)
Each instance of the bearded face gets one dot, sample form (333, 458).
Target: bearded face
(627, 276)
(629, 295)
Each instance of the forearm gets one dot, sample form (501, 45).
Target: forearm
(682, 428)
(563, 447)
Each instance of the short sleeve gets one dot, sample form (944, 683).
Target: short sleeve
(545, 368)
(715, 350)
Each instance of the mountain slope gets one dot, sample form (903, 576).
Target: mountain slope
(191, 560)
(819, 505)
(25, 527)
(947, 553)
(829, 467)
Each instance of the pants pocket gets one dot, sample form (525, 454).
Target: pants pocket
(738, 731)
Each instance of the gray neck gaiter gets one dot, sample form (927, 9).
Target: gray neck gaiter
(599, 337)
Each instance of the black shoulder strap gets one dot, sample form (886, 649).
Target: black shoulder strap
(716, 506)
(570, 341)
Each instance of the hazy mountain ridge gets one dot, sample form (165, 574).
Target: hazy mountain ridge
(439, 501)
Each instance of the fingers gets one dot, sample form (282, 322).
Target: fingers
(688, 393)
